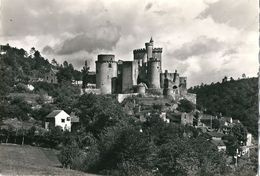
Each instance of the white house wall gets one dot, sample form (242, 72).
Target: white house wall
(67, 124)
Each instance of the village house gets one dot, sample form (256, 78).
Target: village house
(216, 139)
(58, 118)
(75, 125)
(181, 118)
(206, 120)
(51, 77)
(187, 119)
(219, 144)
(164, 118)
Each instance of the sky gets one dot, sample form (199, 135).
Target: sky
(204, 40)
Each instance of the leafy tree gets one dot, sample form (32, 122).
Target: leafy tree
(231, 143)
(67, 154)
(240, 132)
(185, 106)
(215, 124)
(98, 112)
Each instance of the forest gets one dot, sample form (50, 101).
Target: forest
(235, 98)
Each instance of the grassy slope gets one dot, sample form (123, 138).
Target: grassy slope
(28, 160)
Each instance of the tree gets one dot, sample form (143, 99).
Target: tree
(85, 72)
(215, 124)
(67, 154)
(128, 149)
(98, 112)
(240, 133)
(186, 106)
(231, 143)
(54, 63)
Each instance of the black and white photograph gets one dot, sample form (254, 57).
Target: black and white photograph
(129, 88)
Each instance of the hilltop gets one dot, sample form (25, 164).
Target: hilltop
(235, 98)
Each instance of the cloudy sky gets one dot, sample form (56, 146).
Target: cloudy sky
(203, 39)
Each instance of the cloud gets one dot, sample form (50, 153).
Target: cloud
(48, 50)
(148, 6)
(217, 34)
(241, 14)
(160, 12)
(229, 52)
(105, 38)
(201, 46)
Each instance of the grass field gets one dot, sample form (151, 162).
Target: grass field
(28, 160)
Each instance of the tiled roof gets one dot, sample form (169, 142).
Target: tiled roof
(218, 142)
(215, 134)
(54, 113)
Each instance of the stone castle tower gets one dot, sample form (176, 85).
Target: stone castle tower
(149, 60)
(106, 73)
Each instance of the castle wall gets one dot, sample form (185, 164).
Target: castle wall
(121, 97)
(106, 71)
(169, 76)
(183, 82)
(140, 55)
(153, 74)
(129, 75)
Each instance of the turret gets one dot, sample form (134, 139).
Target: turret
(153, 73)
(149, 49)
(106, 73)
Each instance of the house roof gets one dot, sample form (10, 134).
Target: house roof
(218, 142)
(236, 121)
(54, 71)
(227, 119)
(207, 117)
(74, 118)
(54, 113)
(215, 134)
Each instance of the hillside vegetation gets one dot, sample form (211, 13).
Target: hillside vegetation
(235, 98)
(28, 160)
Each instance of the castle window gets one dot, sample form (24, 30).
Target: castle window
(109, 65)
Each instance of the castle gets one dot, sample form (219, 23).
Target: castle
(142, 75)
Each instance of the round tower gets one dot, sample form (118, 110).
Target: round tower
(149, 49)
(157, 53)
(140, 88)
(153, 73)
(106, 73)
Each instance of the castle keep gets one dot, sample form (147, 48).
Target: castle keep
(141, 75)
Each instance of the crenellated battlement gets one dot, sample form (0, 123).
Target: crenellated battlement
(142, 50)
(157, 50)
(154, 60)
